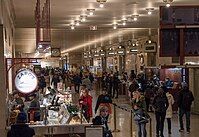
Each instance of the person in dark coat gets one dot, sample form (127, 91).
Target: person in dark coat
(20, 129)
(116, 82)
(77, 81)
(160, 104)
(104, 100)
(55, 80)
(102, 120)
(184, 103)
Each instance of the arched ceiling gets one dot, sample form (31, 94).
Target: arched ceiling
(64, 11)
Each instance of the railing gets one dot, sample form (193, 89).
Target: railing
(132, 113)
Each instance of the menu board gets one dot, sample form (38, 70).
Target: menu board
(191, 37)
(170, 42)
(179, 15)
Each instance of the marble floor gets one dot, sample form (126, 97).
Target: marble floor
(123, 123)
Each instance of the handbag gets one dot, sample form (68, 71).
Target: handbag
(141, 116)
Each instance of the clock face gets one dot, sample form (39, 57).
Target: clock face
(55, 52)
(26, 81)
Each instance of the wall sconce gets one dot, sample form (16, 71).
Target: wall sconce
(149, 10)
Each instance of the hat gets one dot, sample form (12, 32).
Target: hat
(21, 118)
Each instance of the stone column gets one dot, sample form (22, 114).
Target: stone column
(3, 86)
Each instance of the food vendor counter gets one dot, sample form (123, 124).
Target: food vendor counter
(59, 130)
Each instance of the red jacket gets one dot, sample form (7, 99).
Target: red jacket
(87, 101)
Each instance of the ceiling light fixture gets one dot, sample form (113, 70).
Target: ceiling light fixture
(83, 18)
(168, 5)
(135, 17)
(91, 11)
(77, 23)
(149, 10)
(101, 3)
(72, 27)
(124, 23)
(114, 26)
(168, 2)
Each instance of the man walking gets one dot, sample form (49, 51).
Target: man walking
(184, 103)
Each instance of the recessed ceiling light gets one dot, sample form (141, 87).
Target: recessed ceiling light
(114, 26)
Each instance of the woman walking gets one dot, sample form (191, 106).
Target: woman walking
(140, 113)
(169, 111)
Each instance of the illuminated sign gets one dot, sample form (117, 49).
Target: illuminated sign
(26, 81)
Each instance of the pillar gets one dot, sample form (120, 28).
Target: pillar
(3, 86)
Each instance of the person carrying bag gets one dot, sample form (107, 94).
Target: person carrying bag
(140, 115)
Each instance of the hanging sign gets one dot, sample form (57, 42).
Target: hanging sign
(26, 81)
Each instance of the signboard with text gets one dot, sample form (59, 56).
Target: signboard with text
(26, 81)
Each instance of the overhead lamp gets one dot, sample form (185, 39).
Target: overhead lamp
(149, 10)
(149, 41)
(168, 2)
(101, 3)
(124, 23)
(135, 17)
(91, 11)
(83, 18)
(168, 5)
(77, 23)
(114, 26)
(72, 27)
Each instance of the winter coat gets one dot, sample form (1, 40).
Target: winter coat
(103, 100)
(169, 111)
(185, 99)
(87, 104)
(160, 103)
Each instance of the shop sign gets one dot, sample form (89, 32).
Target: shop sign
(26, 81)
(150, 47)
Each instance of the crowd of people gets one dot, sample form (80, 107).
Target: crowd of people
(146, 96)
(157, 95)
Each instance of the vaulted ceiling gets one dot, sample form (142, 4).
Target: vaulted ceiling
(63, 12)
